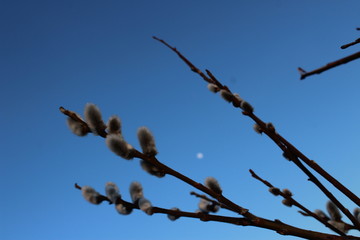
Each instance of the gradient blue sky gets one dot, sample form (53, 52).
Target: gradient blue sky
(69, 53)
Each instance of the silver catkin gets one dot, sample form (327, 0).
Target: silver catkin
(147, 141)
(114, 125)
(213, 184)
(76, 127)
(112, 191)
(93, 118)
(119, 146)
(151, 169)
(136, 191)
(145, 205)
(90, 195)
(122, 209)
(321, 214)
(257, 128)
(333, 211)
(339, 225)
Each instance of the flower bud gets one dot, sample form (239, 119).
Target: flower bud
(213, 184)
(275, 191)
(287, 202)
(213, 88)
(93, 118)
(145, 205)
(257, 128)
(147, 141)
(91, 195)
(321, 214)
(112, 191)
(151, 169)
(333, 211)
(136, 191)
(357, 213)
(226, 95)
(339, 225)
(114, 125)
(172, 217)
(122, 209)
(119, 146)
(76, 127)
(246, 107)
(287, 192)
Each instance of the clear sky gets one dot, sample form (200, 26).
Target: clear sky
(69, 53)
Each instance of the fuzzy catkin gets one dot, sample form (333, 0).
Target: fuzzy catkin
(246, 107)
(76, 127)
(145, 205)
(213, 184)
(226, 95)
(151, 169)
(357, 213)
(147, 141)
(321, 214)
(287, 192)
(333, 211)
(114, 125)
(213, 88)
(119, 146)
(122, 209)
(275, 191)
(93, 118)
(90, 195)
(136, 191)
(112, 191)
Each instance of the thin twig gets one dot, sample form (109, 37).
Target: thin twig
(283, 145)
(210, 200)
(350, 44)
(328, 66)
(297, 204)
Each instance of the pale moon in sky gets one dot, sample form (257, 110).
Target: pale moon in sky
(199, 155)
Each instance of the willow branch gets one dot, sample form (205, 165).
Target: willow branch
(328, 66)
(285, 146)
(276, 225)
(297, 204)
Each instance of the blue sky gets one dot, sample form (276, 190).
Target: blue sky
(69, 53)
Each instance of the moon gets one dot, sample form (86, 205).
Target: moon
(199, 155)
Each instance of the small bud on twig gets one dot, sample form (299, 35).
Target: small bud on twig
(112, 191)
(339, 225)
(213, 88)
(257, 128)
(287, 192)
(287, 202)
(246, 107)
(213, 184)
(147, 141)
(226, 95)
(275, 191)
(322, 215)
(122, 209)
(91, 195)
(172, 217)
(151, 169)
(357, 213)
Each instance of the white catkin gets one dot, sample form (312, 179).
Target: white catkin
(136, 191)
(246, 107)
(93, 118)
(147, 141)
(237, 96)
(172, 217)
(90, 194)
(114, 125)
(120, 208)
(226, 95)
(339, 225)
(213, 88)
(76, 127)
(119, 146)
(145, 205)
(213, 184)
(112, 191)
(333, 211)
